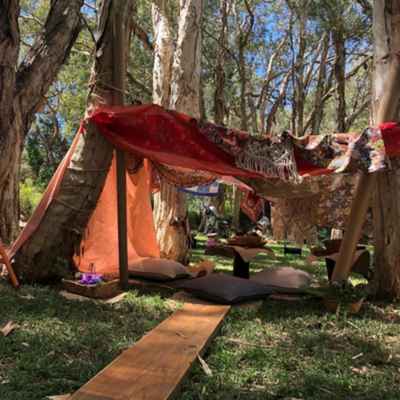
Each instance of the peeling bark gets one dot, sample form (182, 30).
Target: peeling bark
(163, 54)
(318, 111)
(22, 92)
(184, 96)
(340, 75)
(219, 93)
(187, 60)
(47, 254)
(386, 206)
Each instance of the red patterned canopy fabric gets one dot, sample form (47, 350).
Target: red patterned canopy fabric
(179, 141)
(188, 152)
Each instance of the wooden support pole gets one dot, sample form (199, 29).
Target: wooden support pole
(122, 220)
(118, 78)
(386, 112)
(6, 261)
(355, 223)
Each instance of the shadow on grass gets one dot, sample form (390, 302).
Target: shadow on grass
(282, 351)
(310, 386)
(60, 344)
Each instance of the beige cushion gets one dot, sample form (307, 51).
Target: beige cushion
(284, 277)
(159, 269)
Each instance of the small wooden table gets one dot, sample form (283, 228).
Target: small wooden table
(241, 257)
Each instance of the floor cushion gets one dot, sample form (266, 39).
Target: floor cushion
(284, 278)
(225, 289)
(159, 269)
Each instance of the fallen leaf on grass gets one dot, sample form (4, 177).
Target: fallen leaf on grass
(27, 297)
(362, 371)
(8, 328)
(73, 296)
(116, 299)
(204, 365)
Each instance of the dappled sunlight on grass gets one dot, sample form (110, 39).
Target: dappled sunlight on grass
(282, 350)
(60, 344)
(265, 350)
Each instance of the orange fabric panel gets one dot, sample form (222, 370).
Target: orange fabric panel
(47, 198)
(100, 243)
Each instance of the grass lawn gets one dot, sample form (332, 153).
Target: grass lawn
(60, 344)
(277, 350)
(295, 350)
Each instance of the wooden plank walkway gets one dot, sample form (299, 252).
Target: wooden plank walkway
(154, 367)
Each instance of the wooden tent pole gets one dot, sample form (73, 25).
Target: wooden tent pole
(6, 261)
(118, 79)
(122, 220)
(355, 223)
(386, 112)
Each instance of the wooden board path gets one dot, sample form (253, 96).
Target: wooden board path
(153, 368)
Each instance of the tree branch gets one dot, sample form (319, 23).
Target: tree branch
(49, 52)
(352, 118)
(362, 64)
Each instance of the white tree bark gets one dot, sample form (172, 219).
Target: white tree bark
(163, 53)
(184, 96)
(185, 85)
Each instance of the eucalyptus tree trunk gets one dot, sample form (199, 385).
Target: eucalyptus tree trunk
(184, 96)
(271, 118)
(23, 88)
(265, 95)
(163, 53)
(318, 111)
(219, 92)
(300, 93)
(340, 75)
(48, 252)
(386, 207)
(244, 29)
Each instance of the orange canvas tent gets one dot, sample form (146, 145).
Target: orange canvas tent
(99, 245)
(185, 152)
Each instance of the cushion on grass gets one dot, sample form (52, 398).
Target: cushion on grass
(283, 277)
(159, 269)
(225, 289)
